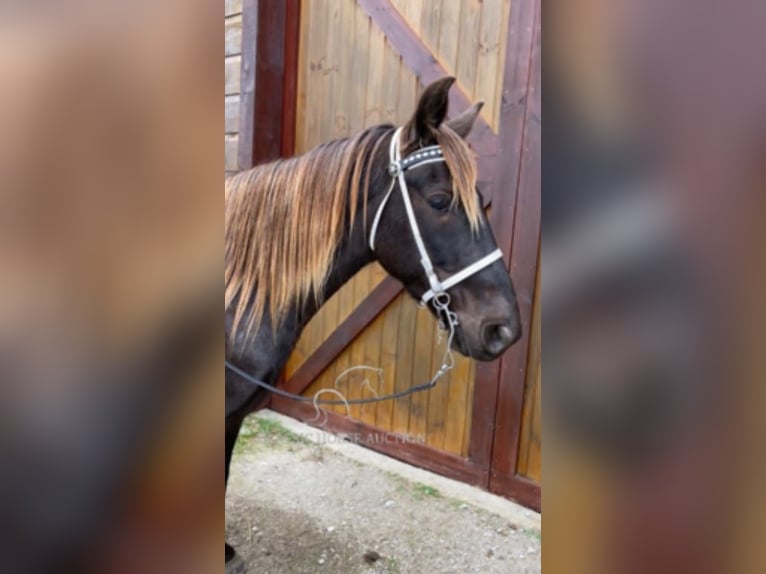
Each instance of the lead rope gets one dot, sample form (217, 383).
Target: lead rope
(447, 321)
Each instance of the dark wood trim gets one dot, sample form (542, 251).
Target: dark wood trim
(519, 489)
(413, 453)
(426, 67)
(247, 84)
(269, 80)
(503, 217)
(524, 261)
(269, 69)
(373, 305)
(290, 89)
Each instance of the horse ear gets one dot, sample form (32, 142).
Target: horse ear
(431, 110)
(463, 124)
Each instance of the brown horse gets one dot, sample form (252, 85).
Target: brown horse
(298, 229)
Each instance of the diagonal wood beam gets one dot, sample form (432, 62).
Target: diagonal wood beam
(373, 305)
(426, 66)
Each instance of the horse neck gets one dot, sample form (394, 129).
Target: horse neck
(352, 255)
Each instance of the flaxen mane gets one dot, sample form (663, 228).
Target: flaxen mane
(284, 220)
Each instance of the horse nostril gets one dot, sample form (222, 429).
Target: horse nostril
(497, 337)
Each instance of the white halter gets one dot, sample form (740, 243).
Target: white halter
(396, 169)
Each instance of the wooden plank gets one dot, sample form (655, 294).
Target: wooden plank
(467, 58)
(330, 85)
(232, 71)
(422, 370)
(388, 361)
(526, 237)
(371, 345)
(373, 114)
(390, 90)
(316, 63)
(505, 38)
(470, 388)
(449, 35)
(413, 12)
(233, 36)
(342, 337)
(456, 414)
(359, 73)
(437, 397)
(407, 96)
(358, 355)
(529, 463)
(345, 309)
(355, 357)
(431, 18)
(372, 342)
(488, 74)
(231, 112)
(529, 459)
(405, 358)
(503, 216)
(425, 66)
(343, 95)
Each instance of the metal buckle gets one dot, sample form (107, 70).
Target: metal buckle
(394, 169)
(441, 300)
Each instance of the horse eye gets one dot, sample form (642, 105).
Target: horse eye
(440, 202)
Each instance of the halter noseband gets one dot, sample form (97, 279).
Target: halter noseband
(396, 169)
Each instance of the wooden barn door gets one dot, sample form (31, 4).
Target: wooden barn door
(364, 62)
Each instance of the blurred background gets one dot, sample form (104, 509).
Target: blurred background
(110, 243)
(652, 200)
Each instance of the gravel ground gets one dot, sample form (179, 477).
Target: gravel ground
(294, 507)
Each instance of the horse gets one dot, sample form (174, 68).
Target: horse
(297, 229)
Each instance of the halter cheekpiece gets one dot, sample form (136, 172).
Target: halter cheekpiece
(396, 169)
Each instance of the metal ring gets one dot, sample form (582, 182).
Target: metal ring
(441, 300)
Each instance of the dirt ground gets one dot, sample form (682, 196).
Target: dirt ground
(295, 507)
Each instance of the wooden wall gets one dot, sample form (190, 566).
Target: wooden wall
(233, 62)
(364, 62)
(468, 37)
